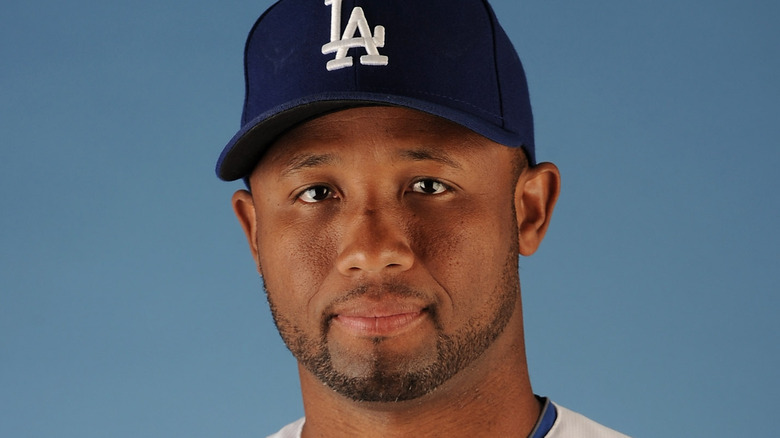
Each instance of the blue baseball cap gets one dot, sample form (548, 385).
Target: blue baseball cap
(448, 58)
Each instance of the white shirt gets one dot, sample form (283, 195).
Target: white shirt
(568, 424)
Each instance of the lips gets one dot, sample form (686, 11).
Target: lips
(379, 319)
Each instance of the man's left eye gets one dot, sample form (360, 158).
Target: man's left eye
(429, 187)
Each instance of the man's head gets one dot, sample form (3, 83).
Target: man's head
(388, 242)
(393, 185)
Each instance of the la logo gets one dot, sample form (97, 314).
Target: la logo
(340, 44)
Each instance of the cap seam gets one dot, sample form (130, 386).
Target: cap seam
(246, 59)
(492, 19)
(428, 93)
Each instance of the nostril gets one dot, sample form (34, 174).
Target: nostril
(374, 245)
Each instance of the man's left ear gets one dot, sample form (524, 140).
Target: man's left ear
(535, 196)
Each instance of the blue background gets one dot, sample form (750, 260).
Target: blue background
(129, 304)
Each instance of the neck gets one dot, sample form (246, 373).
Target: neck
(491, 397)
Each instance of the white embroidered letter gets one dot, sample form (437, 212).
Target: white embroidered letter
(340, 44)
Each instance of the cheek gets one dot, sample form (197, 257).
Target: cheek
(294, 257)
(466, 248)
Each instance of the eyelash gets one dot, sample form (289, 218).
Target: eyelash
(328, 193)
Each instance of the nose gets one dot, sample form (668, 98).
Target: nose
(374, 241)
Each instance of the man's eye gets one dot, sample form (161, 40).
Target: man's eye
(429, 187)
(315, 194)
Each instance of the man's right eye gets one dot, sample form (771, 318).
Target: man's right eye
(315, 194)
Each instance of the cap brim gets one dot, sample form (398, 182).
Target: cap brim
(247, 147)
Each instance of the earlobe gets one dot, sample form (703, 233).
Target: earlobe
(244, 208)
(535, 195)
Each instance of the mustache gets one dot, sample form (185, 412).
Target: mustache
(378, 291)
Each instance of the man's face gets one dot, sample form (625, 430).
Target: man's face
(387, 240)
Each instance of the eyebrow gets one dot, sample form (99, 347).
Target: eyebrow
(306, 161)
(429, 154)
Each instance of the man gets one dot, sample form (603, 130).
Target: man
(388, 150)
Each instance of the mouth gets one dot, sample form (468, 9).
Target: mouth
(380, 321)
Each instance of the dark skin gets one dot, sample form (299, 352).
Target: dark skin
(388, 243)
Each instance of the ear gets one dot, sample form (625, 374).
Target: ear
(535, 196)
(244, 208)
